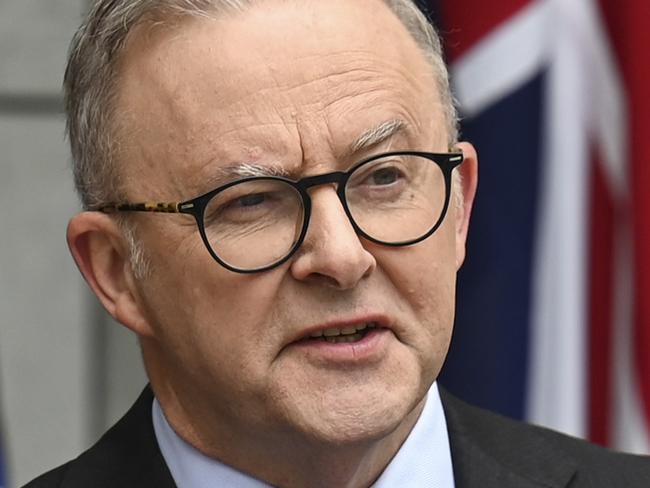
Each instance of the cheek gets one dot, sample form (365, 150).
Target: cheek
(426, 272)
(208, 318)
(432, 298)
(433, 305)
(425, 278)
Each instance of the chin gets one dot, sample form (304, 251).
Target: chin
(355, 413)
(356, 429)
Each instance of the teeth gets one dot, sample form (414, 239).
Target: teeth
(331, 332)
(346, 338)
(368, 325)
(351, 332)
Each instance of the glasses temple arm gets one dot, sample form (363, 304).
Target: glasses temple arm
(172, 207)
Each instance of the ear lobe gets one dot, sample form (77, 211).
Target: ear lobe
(469, 181)
(102, 256)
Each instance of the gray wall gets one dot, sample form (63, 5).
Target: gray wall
(66, 371)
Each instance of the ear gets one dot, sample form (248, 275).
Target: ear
(102, 255)
(469, 180)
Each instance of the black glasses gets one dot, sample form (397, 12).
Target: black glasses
(256, 223)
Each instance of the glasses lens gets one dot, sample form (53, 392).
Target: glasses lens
(254, 224)
(397, 199)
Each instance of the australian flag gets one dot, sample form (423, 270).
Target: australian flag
(553, 314)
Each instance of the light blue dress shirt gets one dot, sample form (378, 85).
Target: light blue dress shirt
(423, 461)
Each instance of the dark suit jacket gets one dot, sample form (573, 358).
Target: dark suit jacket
(488, 451)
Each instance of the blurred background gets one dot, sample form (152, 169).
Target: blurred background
(553, 316)
(65, 372)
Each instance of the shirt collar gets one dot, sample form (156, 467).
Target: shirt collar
(424, 460)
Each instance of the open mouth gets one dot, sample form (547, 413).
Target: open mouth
(351, 333)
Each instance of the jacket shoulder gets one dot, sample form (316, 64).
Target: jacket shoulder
(538, 453)
(127, 456)
(51, 479)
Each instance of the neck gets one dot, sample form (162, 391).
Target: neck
(321, 465)
(285, 460)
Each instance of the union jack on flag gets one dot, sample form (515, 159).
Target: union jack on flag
(553, 315)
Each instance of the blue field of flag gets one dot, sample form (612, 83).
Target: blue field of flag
(488, 357)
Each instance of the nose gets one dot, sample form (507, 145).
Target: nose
(331, 253)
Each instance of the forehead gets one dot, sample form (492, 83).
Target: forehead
(296, 82)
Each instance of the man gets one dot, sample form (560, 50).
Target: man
(295, 309)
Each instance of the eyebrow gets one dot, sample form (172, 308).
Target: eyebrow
(378, 134)
(237, 171)
(245, 170)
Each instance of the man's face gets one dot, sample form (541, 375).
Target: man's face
(293, 84)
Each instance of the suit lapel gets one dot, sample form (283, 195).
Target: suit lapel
(127, 456)
(489, 451)
(474, 468)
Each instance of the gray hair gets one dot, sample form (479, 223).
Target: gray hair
(91, 79)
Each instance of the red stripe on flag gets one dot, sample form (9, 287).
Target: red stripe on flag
(629, 25)
(468, 21)
(601, 278)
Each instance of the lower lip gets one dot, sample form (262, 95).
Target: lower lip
(368, 349)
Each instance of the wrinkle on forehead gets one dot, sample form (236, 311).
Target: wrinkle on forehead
(199, 100)
(288, 59)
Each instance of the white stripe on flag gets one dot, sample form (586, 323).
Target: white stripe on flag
(609, 114)
(503, 61)
(557, 372)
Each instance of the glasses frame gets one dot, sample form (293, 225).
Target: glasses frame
(196, 206)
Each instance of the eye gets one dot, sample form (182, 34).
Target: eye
(250, 202)
(247, 206)
(381, 181)
(385, 176)
(247, 201)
